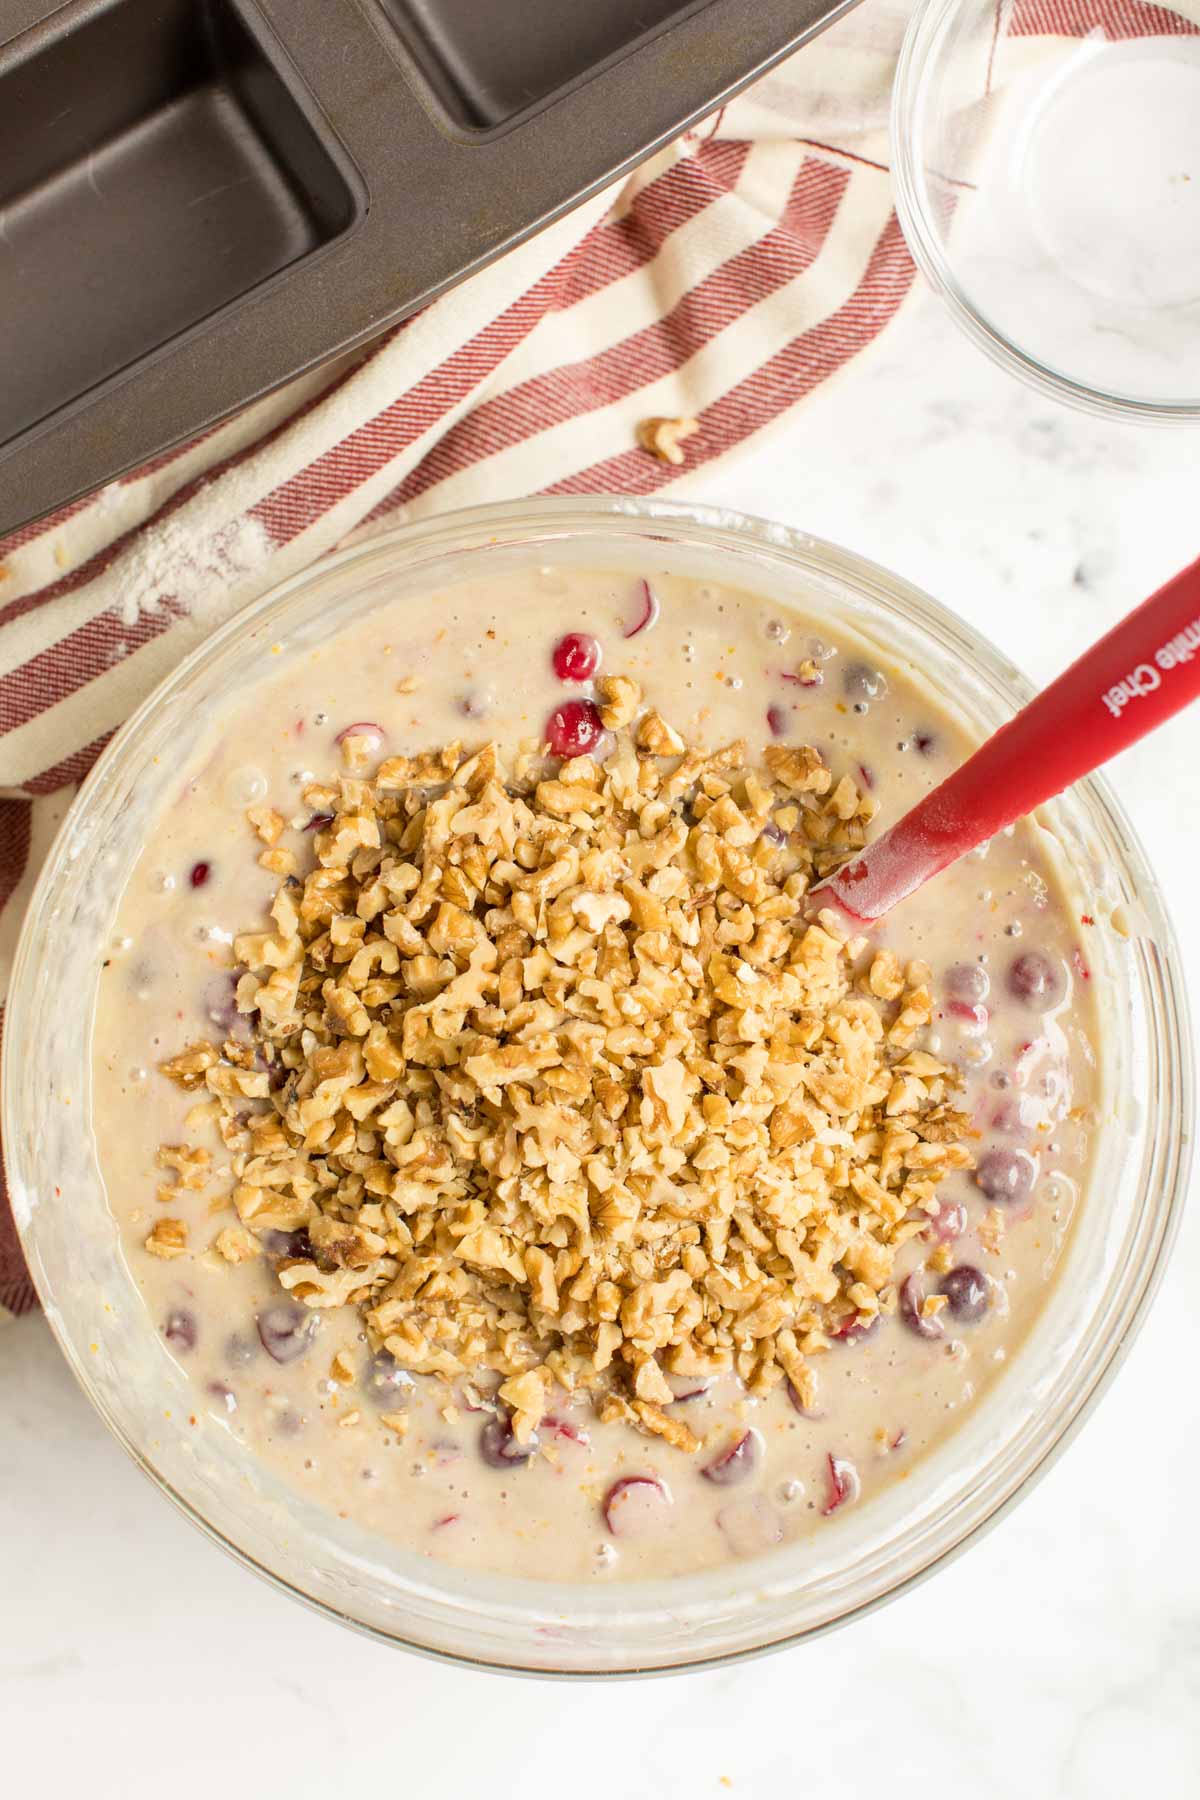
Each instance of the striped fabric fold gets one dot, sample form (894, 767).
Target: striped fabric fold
(725, 280)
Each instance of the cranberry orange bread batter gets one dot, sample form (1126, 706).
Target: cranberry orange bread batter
(511, 1160)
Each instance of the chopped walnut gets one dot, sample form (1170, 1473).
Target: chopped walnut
(192, 1166)
(189, 1068)
(662, 437)
(800, 769)
(562, 1085)
(168, 1238)
(657, 737)
(267, 823)
(991, 1229)
(237, 1245)
(619, 700)
(886, 978)
(280, 861)
(661, 1424)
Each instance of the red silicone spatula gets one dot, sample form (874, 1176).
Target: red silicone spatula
(1145, 670)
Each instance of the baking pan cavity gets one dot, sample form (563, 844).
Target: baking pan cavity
(486, 67)
(153, 168)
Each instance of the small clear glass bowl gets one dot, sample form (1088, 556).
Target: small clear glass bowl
(843, 1566)
(1047, 169)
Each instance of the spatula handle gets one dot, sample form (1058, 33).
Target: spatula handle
(1143, 671)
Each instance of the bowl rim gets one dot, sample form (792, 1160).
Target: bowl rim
(721, 528)
(909, 108)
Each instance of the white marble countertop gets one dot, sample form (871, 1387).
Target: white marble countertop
(1058, 1660)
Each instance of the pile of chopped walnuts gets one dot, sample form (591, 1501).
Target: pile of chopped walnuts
(555, 1078)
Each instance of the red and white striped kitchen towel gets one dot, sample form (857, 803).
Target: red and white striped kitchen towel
(729, 277)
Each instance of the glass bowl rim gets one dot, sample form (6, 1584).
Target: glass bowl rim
(729, 531)
(918, 60)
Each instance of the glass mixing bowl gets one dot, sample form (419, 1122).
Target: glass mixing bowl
(1113, 1261)
(1047, 168)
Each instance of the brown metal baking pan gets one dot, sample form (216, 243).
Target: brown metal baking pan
(202, 198)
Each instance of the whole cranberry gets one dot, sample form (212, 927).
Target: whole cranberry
(576, 657)
(948, 1223)
(968, 982)
(854, 1329)
(737, 1462)
(1005, 1175)
(286, 1331)
(688, 1387)
(287, 1243)
(845, 1484)
(912, 1301)
(1034, 979)
(385, 1382)
(499, 1447)
(967, 1293)
(574, 728)
(636, 1504)
(861, 682)
(180, 1329)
